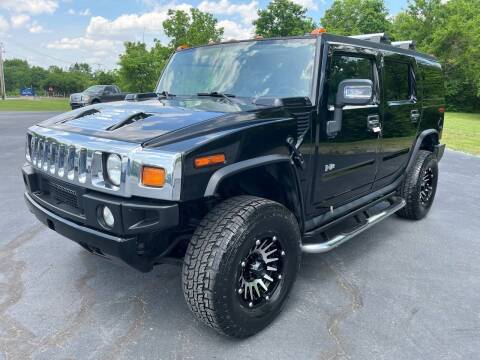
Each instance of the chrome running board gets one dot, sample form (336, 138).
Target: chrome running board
(395, 205)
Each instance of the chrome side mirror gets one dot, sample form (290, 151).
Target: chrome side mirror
(350, 92)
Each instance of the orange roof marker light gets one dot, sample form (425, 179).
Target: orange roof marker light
(318, 31)
(182, 47)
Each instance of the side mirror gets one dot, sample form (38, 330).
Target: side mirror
(350, 92)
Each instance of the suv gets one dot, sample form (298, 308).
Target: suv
(249, 153)
(96, 94)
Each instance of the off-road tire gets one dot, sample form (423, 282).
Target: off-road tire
(213, 256)
(411, 186)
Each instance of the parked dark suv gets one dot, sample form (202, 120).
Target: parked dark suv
(249, 153)
(96, 94)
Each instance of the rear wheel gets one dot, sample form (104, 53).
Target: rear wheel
(241, 264)
(419, 186)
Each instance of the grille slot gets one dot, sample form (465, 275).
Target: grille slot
(303, 122)
(64, 194)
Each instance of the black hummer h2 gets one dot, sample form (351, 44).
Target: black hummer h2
(250, 153)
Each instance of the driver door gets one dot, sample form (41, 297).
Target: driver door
(346, 163)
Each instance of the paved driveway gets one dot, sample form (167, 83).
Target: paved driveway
(401, 290)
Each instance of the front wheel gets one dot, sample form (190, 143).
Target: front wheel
(241, 264)
(419, 186)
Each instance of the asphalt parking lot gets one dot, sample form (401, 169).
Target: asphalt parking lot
(401, 290)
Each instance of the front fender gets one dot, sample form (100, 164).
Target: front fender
(238, 167)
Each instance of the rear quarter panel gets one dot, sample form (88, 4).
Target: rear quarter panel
(433, 95)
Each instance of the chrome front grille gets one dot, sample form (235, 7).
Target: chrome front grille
(66, 161)
(79, 160)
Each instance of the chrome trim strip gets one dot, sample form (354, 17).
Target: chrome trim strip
(78, 159)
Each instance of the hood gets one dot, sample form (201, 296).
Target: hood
(128, 121)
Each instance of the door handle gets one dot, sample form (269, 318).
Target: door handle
(414, 115)
(373, 123)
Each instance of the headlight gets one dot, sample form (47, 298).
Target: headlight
(85, 98)
(114, 169)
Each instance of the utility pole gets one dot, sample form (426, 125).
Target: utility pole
(2, 75)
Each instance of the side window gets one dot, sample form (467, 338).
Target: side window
(110, 89)
(397, 81)
(345, 67)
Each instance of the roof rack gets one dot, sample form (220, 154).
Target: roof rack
(409, 44)
(377, 37)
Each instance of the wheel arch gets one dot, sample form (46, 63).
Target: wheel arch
(271, 177)
(426, 140)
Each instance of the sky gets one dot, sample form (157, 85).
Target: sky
(62, 32)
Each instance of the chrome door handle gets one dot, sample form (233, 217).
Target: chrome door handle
(373, 123)
(414, 115)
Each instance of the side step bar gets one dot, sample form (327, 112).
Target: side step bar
(396, 204)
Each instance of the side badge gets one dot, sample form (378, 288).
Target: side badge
(329, 167)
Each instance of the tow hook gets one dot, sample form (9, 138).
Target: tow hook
(297, 157)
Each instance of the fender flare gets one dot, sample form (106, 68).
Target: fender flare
(229, 170)
(418, 143)
(240, 166)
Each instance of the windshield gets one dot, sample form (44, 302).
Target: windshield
(269, 68)
(95, 89)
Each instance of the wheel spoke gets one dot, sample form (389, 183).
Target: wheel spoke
(262, 284)
(255, 285)
(268, 278)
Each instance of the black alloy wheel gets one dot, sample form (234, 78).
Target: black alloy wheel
(419, 186)
(241, 264)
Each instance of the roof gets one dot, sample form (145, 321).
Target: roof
(337, 39)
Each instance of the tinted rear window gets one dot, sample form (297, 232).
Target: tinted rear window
(433, 87)
(397, 81)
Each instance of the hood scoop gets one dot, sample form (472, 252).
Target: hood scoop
(82, 114)
(130, 120)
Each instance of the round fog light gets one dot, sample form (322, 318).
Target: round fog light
(108, 217)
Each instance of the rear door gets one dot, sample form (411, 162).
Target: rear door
(402, 113)
(346, 164)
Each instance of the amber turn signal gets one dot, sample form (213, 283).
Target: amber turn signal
(209, 160)
(153, 176)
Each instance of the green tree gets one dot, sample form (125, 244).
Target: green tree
(17, 75)
(140, 67)
(81, 67)
(283, 18)
(105, 77)
(354, 17)
(451, 32)
(196, 28)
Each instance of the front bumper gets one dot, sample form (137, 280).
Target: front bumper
(137, 229)
(75, 105)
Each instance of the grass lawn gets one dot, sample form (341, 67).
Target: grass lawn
(34, 105)
(462, 132)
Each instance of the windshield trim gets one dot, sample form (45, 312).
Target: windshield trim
(316, 66)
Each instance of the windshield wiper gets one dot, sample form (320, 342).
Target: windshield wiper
(218, 94)
(166, 94)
